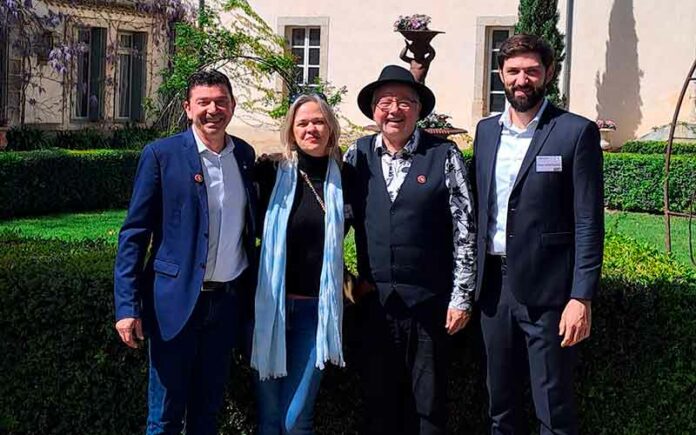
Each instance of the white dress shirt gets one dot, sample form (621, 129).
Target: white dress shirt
(514, 143)
(227, 202)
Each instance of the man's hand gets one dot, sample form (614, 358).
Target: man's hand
(130, 329)
(576, 322)
(456, 320)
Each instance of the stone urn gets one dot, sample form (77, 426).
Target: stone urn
(605, 139)
(444, 133)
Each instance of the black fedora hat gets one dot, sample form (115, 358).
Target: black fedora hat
(396, 74)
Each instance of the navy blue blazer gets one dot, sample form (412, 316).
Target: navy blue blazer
(167, 222)
(555, 222)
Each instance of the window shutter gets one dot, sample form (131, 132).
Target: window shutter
(97, 66)
(3, 76)
(138, 83)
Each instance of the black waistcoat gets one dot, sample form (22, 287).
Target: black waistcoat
(405, 246)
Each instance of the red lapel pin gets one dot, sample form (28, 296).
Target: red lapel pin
(421, 179)
(198, 178)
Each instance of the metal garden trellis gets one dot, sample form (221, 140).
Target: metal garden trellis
(668, 155)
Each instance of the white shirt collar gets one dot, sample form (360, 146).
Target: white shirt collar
(507, 123)
(407, 150)
(229, 144)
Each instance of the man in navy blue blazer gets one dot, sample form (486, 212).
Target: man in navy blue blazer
(539, 190)
(184, 261)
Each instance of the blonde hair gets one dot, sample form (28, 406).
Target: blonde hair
(287, 136)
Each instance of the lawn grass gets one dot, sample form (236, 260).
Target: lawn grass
(643, 227)
(75, 227)
(650, 229)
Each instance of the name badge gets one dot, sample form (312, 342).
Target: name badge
(549, 164)
(347, 211)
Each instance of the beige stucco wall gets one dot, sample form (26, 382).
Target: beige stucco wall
(629, 57)
(53, 106)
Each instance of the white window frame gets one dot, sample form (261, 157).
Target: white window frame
(78, 62)
(480, 102)
(492, 54)
(121, 51)
(306, 47)
(284, 28)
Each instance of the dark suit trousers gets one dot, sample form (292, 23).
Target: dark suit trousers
(403, 366)
(188, 373)
(520, 340)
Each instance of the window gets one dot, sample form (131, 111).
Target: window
(124, 73)
(305, 43)
(3, 77)
(129, 76)
(82, 74)
(496, 90)
(43, 46)
(88, 94)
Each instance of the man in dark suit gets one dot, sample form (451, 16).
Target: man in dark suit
(184, 256)
(540, 219)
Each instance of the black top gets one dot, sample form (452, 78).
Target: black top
(305, 232)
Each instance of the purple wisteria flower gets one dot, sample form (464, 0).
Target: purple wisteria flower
(60, 57)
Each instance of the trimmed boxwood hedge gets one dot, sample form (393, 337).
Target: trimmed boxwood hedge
(53, 181)
(64, 371)
(634, 182)
(658, 147)
(29, 138)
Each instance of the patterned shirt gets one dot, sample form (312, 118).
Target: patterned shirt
(395, 168)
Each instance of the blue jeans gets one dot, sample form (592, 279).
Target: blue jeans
(188, 373)
(286, 405)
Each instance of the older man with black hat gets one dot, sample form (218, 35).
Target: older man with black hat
(415, 242)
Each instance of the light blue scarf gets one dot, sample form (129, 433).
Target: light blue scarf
(268, 354)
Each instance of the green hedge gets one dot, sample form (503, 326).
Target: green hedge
(658, 147)
(128, 137)
(64, 371)
(634, 182)
(53, 181)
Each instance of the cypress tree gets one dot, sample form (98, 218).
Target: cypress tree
(540, 18)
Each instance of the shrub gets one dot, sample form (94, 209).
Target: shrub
(634, 182)
(658, 147)
(52, 181)
(64, 370)
(133, 138)
(83, 139)
(27, 139)
(127, 137)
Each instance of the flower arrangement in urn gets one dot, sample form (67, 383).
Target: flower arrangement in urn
(606, 128)
(606, 124)
(435, 120)
(417, 22)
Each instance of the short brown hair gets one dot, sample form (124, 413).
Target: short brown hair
(523, 43)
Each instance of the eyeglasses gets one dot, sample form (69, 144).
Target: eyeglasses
(292, 98)
(384, 104)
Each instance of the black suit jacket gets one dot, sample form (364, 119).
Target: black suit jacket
(555, 222)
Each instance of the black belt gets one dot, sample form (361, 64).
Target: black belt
(216, 286)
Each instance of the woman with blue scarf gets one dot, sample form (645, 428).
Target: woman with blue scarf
(299, 300)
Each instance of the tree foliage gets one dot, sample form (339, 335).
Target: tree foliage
(248, 51)
(540, 18)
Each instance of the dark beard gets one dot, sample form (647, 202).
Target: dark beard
(522, 105)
